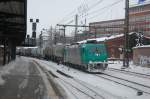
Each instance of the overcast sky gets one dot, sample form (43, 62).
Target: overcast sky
(51, 12)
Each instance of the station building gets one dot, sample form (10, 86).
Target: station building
(139, 21)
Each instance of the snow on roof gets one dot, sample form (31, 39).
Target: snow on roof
(116, 36)
(59, 44)
(84, 41)
(144, 46)
(97, 39)
(101, 39)
(147, 37)
(27, 47)
(1, 45)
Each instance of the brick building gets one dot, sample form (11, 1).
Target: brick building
(111, 27)
(139, 21)
(140, 18)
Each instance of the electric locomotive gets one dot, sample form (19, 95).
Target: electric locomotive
(89, 57)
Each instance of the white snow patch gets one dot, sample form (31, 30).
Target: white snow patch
(17, 66)
(132, 67)
(6, 70)
(23, 84)
(144, 46)
(1, 81)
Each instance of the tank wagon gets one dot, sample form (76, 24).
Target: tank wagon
(30, 51)
(55, 53)
(89, 57)
(47, 53)
(58, 51)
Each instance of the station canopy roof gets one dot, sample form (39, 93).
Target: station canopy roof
(13, 15)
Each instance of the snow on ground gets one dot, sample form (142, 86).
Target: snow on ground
(105, 86)
(129, 77)
(132, 67)
(5, 70)
(1, 80)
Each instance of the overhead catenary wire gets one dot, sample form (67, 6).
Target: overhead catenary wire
(70, 15)
(95, 11)
(94, 5)
(92, 14)
(71, 21)
(67, 16)
(86, 9)
(102, 9)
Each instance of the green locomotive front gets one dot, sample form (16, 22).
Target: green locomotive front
(90, 57)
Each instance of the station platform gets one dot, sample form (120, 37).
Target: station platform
(23, 79)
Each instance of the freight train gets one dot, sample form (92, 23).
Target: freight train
(90, 57)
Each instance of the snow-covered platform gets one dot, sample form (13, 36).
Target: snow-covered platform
(23, 79)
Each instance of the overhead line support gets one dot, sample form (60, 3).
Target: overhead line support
(126, 36)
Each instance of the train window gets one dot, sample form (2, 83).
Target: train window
(95, 50)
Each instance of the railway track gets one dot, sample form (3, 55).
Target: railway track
(82, 88)
(130, 73)
(131, 84)
(77, 88)
(92, 94)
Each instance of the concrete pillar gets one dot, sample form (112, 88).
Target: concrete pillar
(11, 50)
(4, 51)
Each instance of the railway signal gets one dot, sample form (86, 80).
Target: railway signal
(34, 24)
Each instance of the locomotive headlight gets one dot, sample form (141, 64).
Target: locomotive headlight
(90, 62)
(97, 54)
